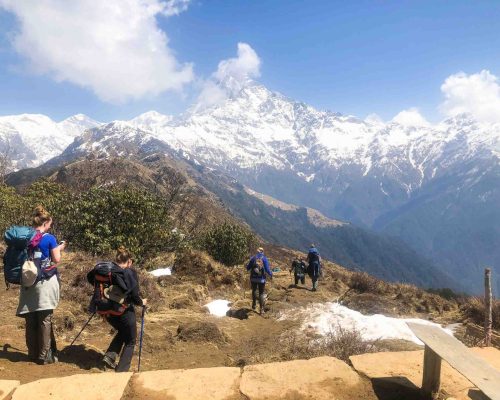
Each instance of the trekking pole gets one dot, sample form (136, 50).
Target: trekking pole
(84, 326)
(140, 340)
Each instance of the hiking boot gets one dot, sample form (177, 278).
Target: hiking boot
(109, 360)
(50, 358)
(262, 311)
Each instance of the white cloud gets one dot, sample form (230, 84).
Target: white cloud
(374, 119)
(175, 7)
(231, 76)
(476, 94)
(113, 47)
(410, 117)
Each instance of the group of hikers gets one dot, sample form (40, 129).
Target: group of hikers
(31, 260)
(259, 267)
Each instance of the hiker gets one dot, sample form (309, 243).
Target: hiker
(259, 267)
(124, 324)
(299, 271)
(37, 302)
(314, 267)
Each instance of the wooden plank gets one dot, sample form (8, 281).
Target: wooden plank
(431, 380)
(474, 368)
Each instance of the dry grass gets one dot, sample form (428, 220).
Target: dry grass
(474, 309)
(340, 343)
(202, 331)
(365, 283)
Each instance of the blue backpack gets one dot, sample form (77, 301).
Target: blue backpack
(18, 240)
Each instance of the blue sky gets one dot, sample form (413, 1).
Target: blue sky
(356, 57)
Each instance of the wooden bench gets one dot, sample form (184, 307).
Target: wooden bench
(439, 345)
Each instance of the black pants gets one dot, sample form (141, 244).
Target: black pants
(40, 338)
(124, 339)
(300, 278)
(261, 287)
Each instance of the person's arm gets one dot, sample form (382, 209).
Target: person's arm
(250, 263)
(55, 249)
(134, 295)
(266, 266)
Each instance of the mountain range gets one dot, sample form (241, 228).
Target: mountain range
(435, 187)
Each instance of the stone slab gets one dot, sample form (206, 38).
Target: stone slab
(101, 386)
(219, 383)
(6, 388)
(322, 378)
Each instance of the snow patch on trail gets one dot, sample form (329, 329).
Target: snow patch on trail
(161, 272)
(325, 317)
(218, 308)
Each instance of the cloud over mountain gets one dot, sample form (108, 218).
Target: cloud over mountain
(114, 47)
(476, 94)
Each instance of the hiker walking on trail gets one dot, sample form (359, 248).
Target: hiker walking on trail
(259, 267)
(299, 271)
(38, 300)
(121, 317)
(314, 267)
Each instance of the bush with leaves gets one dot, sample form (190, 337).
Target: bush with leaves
(228, 243)
(97, 220)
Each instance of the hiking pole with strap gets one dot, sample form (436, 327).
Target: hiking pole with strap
(140, 339)
(84, 326)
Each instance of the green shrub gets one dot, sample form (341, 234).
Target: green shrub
(228, 243)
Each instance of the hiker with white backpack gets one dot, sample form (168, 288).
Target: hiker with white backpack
(259, 268)
(31, 261)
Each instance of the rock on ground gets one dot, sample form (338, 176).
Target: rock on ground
(318, 378)
(187, 384)
(6, 387)
(103, 386)
(402, 371)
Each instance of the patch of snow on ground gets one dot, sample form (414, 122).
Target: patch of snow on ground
(161, 272)
(325, 317)
(218, 307)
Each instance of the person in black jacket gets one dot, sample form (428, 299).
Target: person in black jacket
(125, 324)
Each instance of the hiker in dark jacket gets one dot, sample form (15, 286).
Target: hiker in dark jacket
(299, 271)
(37, 302)
(314, 267)
(259, 267)
(125, 324)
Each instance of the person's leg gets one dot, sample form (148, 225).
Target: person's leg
(116, 345)
(32, 335)
(129, 335)
(296, 279)
(262, 301)
(303, 280)
(315, 283)
(254, 294)
(46, 334)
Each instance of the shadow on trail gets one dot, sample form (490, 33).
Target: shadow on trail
(396, 388)
(292, 286)
(83, 357)
(13, 354)
(240, 313)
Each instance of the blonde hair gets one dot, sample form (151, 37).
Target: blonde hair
(40, 216)
(122, 255)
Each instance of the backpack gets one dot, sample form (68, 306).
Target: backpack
(110, 289)
(258, 270)
(22, 242)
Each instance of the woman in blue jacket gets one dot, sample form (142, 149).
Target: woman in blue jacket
(259, 267)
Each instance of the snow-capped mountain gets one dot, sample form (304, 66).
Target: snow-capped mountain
(436, 186)
(32, 139)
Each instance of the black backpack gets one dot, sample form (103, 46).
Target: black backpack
(258, 270)
(110, 289)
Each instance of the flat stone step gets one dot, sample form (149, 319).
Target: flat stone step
(6, 388)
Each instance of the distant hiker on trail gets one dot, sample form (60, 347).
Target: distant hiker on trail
(259, 267)
(314, 267)
(118, 306)
(39, 297)
(299, 271)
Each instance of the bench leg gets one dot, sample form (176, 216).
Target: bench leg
(432, 373)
